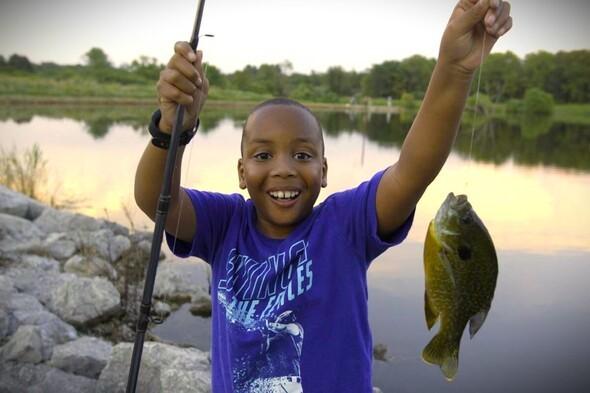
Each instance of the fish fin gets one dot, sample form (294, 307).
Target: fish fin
(476, 322)
(444, 354)
(429, 313)
(447, 266)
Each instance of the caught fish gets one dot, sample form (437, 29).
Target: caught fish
(460, 268)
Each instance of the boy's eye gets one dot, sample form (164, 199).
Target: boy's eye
(262, 156)
(302, 156)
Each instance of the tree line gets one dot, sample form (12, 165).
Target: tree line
(563, 75)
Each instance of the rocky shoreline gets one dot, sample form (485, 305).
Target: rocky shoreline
(70, 287)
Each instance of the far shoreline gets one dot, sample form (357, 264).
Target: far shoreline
(132, 101)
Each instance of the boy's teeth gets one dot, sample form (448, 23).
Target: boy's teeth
(284, 194)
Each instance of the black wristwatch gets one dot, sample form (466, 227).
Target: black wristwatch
(161, 139)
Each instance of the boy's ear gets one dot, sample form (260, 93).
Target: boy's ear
(241, 174)
(324, 172)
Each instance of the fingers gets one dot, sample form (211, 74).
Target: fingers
(473, 13)
(183, 75)
(498, 20)
(494, 14)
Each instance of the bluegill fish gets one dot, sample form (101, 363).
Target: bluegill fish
(460, 268)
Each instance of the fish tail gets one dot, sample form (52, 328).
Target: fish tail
(443, 352)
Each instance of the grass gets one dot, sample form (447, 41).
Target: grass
(17, 88)
(26, 173)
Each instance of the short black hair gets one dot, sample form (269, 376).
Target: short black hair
(285, 102)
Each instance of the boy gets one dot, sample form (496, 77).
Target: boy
(289, 286)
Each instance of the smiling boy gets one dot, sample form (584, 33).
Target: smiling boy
(289, 288)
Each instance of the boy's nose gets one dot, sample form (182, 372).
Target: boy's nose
(284, 167)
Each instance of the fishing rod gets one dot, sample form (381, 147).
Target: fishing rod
(162, 211)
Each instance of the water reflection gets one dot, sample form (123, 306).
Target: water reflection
(530, 192)
(527, 140)
(530, 184)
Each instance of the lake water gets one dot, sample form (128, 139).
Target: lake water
(529, 181)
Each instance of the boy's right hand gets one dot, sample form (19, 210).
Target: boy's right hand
(182, 82)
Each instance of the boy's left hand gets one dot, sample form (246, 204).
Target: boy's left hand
(463, 39)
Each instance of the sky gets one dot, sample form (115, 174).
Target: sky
(312, 35)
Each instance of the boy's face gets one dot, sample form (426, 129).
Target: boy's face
(282, 166)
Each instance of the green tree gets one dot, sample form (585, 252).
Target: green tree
(2, 62)
(383, 80)
(146, 67)
(502, 77)
(97, 58)
(244, 79)
(20, 63)
(570, 81)
(538, 67)
(538, 102)
(416, 71)
(214, 75)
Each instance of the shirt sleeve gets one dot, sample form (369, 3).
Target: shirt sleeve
(213, 213)
(357, 209)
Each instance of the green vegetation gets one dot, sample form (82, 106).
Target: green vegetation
(23, 174)
(564, 75)
(26, 172)
(537, 102)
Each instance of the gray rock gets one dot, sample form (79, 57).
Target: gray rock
(201, 304)
(178, 281)
(25, 345)
(40, 378)
(162, 309)
(103, 243)
(6, 288)
(4, 323)
(90, 267)
(164, 368)
(25, 310)
(83, 301)
(17, 204)
(53, 220)
(85, 356)
(59, 246)
(36, 262)
(39, 281)
(16, 231)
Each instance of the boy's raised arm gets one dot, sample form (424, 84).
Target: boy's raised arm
(181, 82)
(433, 132)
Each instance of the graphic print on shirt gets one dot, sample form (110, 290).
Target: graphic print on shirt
(258, 299)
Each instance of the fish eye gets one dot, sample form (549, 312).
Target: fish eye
(467, 219)
(464, 252)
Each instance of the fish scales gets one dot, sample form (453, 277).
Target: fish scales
(461, 269)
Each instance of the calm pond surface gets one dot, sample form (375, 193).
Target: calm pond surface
(529, 181)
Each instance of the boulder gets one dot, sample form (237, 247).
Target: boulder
(84, 301)
(25, 310)
(201, 305)
(164, 368)
(179, 281)
(103, 243)
(36, 276)
(16, 232)
(53, 220)
(16, 204)
(59, 246)
(25, 345)
(40, 378)
(86, 356)
(90, 267)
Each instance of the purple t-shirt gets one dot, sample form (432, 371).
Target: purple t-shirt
(290, 315)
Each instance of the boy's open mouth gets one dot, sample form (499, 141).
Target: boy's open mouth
(284, 195)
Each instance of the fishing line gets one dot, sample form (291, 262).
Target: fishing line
(475, 107)
(186, 172)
